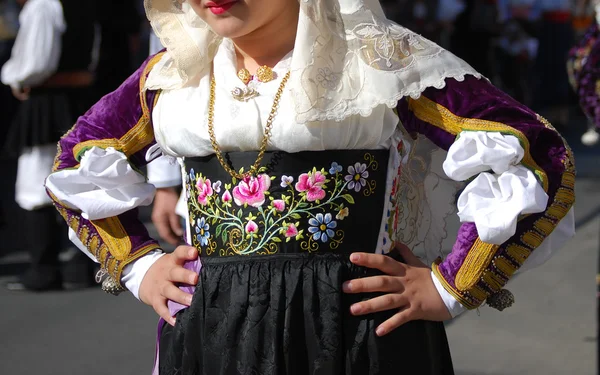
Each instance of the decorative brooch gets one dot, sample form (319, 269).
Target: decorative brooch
(263, 74)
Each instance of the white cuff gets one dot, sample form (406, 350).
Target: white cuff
(134, 273)
(104, 185)
(454, 307)
(476, 152)
(495, 202)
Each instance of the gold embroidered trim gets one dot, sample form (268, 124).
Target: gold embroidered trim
(463, 298)
(441, 117)
(477, 259)
(114, 236)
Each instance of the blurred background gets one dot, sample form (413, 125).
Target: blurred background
(520, 45)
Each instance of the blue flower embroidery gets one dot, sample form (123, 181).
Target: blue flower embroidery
(321, 227)
(192, 174)
(335, 168)
(202, 233)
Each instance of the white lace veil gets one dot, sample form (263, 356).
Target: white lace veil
(347, 60)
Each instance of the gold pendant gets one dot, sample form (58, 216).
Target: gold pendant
(244, 76)
(244, 94)
(265, 74)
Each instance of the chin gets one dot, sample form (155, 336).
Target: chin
(228, 28)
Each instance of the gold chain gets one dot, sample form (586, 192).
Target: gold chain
(265, 141)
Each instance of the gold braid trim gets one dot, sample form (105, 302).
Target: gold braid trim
(483, 272)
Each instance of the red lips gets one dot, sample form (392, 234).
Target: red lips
(220, 7)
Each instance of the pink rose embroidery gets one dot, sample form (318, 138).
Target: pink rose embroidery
(312, 183)
(279, 205)
(251, 190)
(205, 190)
(251, 227)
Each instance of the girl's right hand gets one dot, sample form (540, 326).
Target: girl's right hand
(160, 282)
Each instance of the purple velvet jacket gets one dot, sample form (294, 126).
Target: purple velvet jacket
(472, 272)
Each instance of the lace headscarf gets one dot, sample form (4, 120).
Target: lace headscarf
(348, 58)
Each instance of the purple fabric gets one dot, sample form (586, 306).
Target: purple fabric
(195, 266)
(467, 235)
(112, 117)
(584, 70)
(478, 99)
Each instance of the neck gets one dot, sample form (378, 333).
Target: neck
(268, 44)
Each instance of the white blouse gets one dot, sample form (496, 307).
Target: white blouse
(502, 190)
(37, 49)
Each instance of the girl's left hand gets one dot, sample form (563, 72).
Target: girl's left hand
(409, 287)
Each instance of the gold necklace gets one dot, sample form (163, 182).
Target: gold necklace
(265, 140)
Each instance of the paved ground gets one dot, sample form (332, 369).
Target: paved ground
(550, 330)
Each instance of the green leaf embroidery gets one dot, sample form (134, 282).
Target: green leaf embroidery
(348, 198)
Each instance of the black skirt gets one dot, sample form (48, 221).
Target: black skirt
(281, 309)
(46, 116)
(287, 315)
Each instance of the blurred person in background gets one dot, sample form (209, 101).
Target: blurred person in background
(517, 48)
(583, 67)
(555, 39)
(417, 15)
(120, 23)
(49, 72)
(9, 25)
(474, 31)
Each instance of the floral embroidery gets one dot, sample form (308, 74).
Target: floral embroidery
(328, 79)
(335, 168)
(251, 191)
(286, 181)
(311, 185)
(204, 189)
(217, 187)
(202, 231)
(321, 227)
(343, 213)
(357, 177)
(252, 217)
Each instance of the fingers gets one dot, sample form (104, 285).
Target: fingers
(381, 303)
(185, 253)
(163, 225)
(176, 227)
(374, 284)
(402, 317)
(183, 276)
(378, 261)
(162, 310)
(173, 293)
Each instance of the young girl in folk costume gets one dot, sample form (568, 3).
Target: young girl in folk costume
(312, 135)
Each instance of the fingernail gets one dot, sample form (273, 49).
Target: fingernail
(189, 300)
(356, 309)
(347, 286)
(172, 322)
(380, 331)
(192, 252)
(193, 279)
(354, 257)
